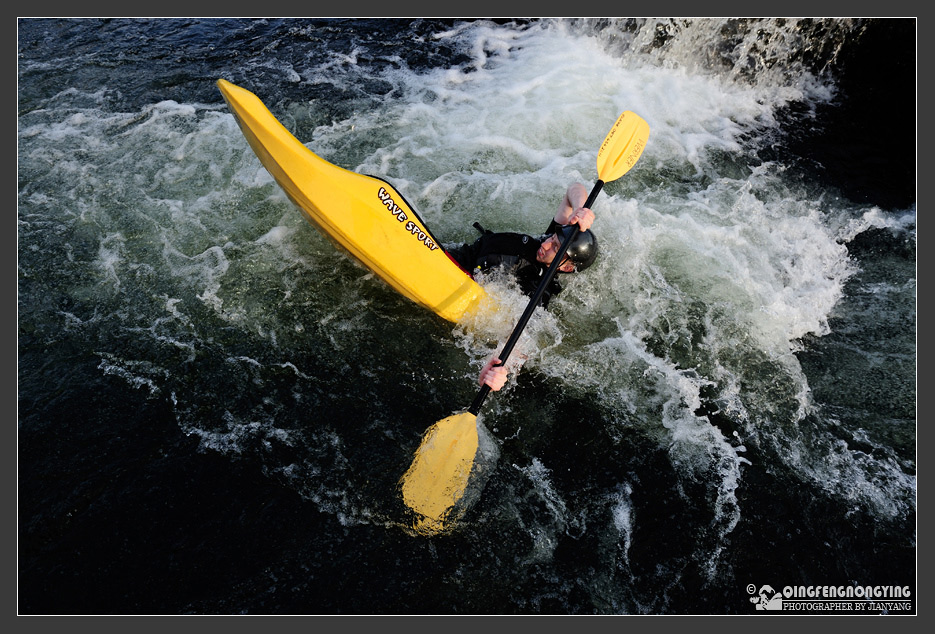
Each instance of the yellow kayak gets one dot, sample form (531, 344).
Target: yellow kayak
(363, 214)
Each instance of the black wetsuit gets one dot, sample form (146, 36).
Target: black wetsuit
(515, 252)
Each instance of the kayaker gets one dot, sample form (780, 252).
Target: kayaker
(528, 258)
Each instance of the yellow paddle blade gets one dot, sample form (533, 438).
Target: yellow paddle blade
(622, 146)
(438, 476)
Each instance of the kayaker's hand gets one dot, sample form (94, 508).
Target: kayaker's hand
(583, 217)
(493, 375)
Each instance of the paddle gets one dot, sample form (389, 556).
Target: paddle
(437, 479)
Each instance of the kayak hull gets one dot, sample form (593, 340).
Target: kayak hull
(363, 214)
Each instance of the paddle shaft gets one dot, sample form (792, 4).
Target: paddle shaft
(534, 301)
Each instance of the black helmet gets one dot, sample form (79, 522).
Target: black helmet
(583, 249)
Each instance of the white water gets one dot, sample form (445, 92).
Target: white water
(725, 266)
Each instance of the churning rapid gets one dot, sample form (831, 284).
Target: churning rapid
(216, 404)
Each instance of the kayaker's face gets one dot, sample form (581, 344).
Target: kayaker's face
(547, 251)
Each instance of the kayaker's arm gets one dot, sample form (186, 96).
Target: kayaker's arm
(571, 209)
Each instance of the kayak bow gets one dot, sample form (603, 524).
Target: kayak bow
(363, 214)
